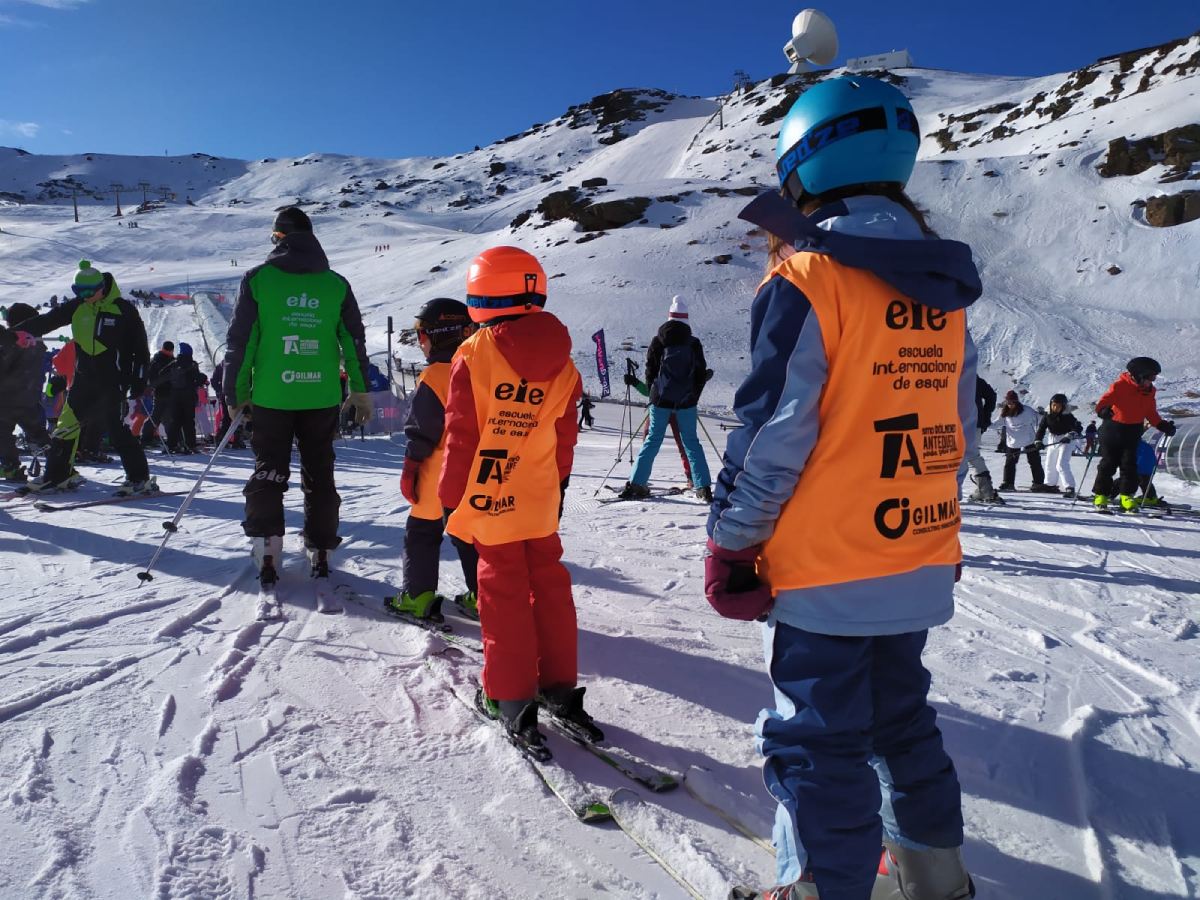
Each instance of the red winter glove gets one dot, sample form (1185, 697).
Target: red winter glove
(408, 479)
(732, 585)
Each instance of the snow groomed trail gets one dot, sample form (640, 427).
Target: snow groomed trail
(157, 741)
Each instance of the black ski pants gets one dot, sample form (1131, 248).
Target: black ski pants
(422, 552)
(95, 409)
(181, 424)
(31, 421)
(1012, 454)
(313, 431)
(1118, 450)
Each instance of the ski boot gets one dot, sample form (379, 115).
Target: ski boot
(984, 492)
(319, 561)
(129, 488)
(1041, 488)
(468, 604)
(1069, 494)
(1100, 503)
(1129, 503)
(47, 485)
(13, 473)
(565, 705)
(885, 888)
(426, 605)
(633, 491)
(1006, 487)
(935, 874)
(704, 493)
(519, 718)
(266, 553)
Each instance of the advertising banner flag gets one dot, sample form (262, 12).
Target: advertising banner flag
(602, 363)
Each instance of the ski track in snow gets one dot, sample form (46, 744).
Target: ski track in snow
(157, 741)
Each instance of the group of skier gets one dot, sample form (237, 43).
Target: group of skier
(1125, 409)
(859, 289)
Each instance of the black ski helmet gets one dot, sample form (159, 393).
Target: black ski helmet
(1143, 367)
(1059, 398)
(445, 320)
(290, 220)
(18, 313)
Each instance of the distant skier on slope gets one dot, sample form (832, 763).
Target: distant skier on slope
(110, 361)
(516, 374)
(295, 319)
(842, 391)
(1020, 429)
(184, 377)
(1059, 432)
(676, 373)
(1125, 408)
(159, 389)
(441, 325)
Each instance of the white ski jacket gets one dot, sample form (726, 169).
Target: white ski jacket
(1019, 430)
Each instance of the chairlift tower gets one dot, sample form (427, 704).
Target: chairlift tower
(814, 42)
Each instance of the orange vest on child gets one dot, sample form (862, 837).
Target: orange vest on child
(436, 377)
(513, 491)
(879, 493)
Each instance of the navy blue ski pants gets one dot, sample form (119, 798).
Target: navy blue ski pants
(853, 752)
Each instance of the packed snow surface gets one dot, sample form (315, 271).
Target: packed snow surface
(156, 740)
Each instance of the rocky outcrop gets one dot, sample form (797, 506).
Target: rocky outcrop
(1178, 149)
(1174, 209)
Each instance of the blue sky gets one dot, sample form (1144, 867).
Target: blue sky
(251, 78)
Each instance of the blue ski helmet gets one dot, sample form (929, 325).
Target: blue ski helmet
(846, 131)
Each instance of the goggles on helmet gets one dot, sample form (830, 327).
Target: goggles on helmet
(85, 290)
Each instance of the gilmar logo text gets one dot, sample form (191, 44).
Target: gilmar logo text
(289, 376)
(304, 302)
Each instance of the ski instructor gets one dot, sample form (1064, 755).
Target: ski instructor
(295, 321)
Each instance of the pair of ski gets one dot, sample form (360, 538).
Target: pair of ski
(662, 834)
(654, 493)
(440, 627)
(101, 501)
(270, 603)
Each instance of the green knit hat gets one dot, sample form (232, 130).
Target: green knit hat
(87, 279)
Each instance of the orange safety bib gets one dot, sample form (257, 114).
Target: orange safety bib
(879, 494)
(436, 377)
(513, 493)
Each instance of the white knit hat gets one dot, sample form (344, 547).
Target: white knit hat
(679, 308)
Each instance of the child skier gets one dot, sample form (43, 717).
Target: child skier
(1020, 429)
(1125, 408)
(985, 405)
(586, 405)
(1147, 464)
(849, 598)
(441, 326)
(510, 442)
(1064, 430)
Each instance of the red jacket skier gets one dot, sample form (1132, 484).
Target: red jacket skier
(510, 442)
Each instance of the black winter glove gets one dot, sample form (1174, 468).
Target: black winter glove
(1038, 445)
(631, 379)
(1167, 427)
(1104, 412)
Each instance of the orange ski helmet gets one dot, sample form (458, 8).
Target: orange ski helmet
(505, 281)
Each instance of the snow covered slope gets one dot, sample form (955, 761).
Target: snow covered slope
(1008, 165)
(157, 741)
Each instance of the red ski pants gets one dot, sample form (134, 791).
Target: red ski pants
(527, 617)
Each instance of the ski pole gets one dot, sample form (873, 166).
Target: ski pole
(620, 450)
(173, 526)
(1083, 478)
(711, 442)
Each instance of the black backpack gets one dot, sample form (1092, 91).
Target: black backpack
(675, 384)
